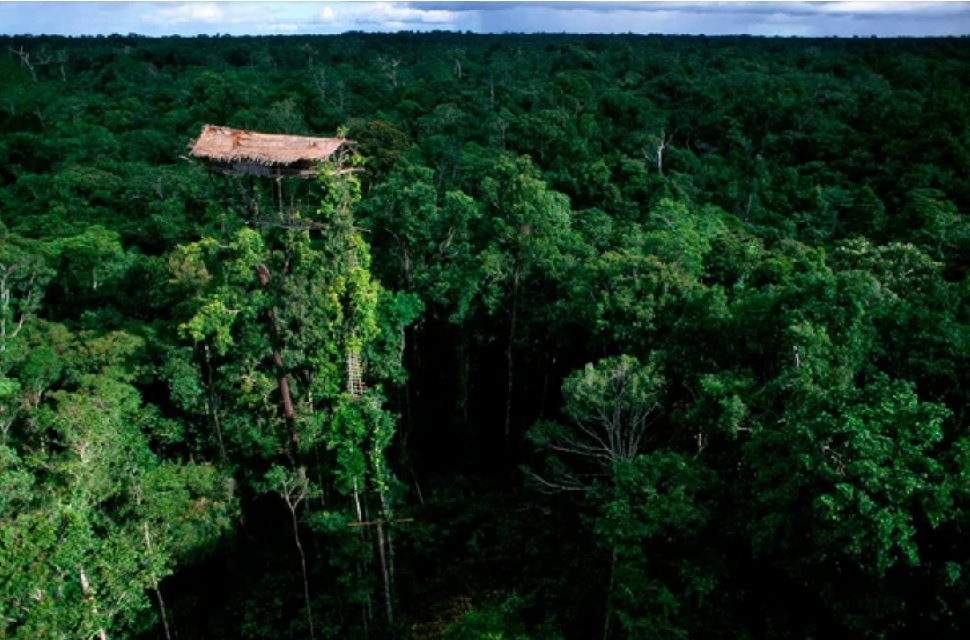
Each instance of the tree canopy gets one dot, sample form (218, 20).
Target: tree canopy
(591, 336)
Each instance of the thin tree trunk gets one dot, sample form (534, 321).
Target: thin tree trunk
(360, 512)
(661, 147)
(388, 609)
(510, 362)
(417, 488)
(279, 192)
(158, 592)
(410, 358)
(366, 607)
(609, 598)
(368, 610)
(161, 607)
(390, 542)
(306, 580)
(212, 405)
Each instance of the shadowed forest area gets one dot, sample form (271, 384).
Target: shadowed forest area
(619, 337)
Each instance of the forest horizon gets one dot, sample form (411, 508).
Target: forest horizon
(694, 17)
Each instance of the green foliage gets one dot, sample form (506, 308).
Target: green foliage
(859, 463)
(104, 520)
(610, 405)
(720, 283)
(654, 517)
(24, 274)
(496, 621)
(529, 226)
(431, 239)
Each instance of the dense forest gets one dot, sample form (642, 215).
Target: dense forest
(661, 337)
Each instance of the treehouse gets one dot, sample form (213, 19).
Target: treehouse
(255, 157)
(265, 155)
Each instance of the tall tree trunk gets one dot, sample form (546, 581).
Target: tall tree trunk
(609, 598)
(366, 611)
(389, 567)
(306, 580)
(286, 399)
(155, 588)
(368, 607)
(388, 608)
(212, 404)
(510, 362)
(161, 608)
(292, 505)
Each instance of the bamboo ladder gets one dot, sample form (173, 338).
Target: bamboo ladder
(355, 378)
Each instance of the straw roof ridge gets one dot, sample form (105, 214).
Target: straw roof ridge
(224, 144)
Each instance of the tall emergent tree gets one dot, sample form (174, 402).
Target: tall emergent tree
(291, 338)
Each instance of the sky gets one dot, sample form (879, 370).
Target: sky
(884, 19)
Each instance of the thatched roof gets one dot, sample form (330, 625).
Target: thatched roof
(222, 144)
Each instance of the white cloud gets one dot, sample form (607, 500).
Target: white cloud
(708, 7)
(389, 16)
(886, 8)
(205, 13)
(173, 14)
(611, 16)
